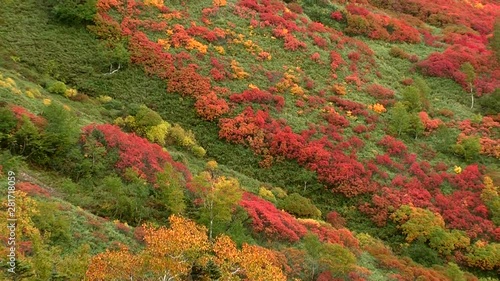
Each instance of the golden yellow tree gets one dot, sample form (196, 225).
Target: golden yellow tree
(171, 251)
(250, 263)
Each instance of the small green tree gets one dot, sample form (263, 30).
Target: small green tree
(399, 119)
(220, 196)
(412, 98)
(170, 190)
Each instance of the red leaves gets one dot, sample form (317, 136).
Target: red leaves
(448, 64)
(258, 96)
(381, 93)
(32, 189)
(335, 61)
(150, 55)
(286, 143)
(393, 146)
(20, 111)
(271, 222)
(292, 43)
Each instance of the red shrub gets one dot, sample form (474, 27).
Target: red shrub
(357, 10)
(286, 143)
(32, 189)
(292, 43)
(20, 112)
(336, 16)
(135, 152)
(316, 27)
(270, 221)
(335, 61)
(243, 126)
(429, 124)
(258, 96)
(315, 57)
(393, 146)
(335, 219)
(320, 41)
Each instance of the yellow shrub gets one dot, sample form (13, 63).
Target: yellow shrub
(104, 99)
(198, 151)
(70, 93)
(220, 50)
(157, 3)
(158, 133)
(266, 194)
(211, 165)
(238, 71)
(33, 93)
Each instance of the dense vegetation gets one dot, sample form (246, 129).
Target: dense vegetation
(251, 139)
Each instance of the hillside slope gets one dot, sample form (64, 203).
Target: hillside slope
(369, 132)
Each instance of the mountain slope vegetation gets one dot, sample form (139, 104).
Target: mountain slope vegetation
(251, 139)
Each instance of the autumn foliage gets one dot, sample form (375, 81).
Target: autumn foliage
(271, 222)
(135, 152)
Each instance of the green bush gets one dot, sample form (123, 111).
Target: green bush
(300, 206)
(420, 252)
(7, 122)
(468, 149)
(490, 104)
(58, 88)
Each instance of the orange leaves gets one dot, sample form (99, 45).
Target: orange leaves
(192, 44)
(219, 3)
(156, 3)
(210, 107)
(110, 265)
(171, 253)
(340, 89)
(183, 237)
